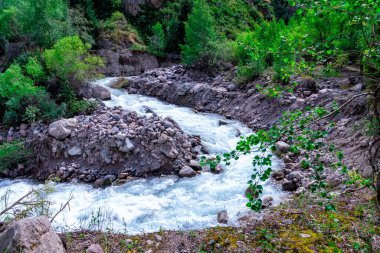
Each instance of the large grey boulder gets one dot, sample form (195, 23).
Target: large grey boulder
(62, 128)
(31, 235)
(100, 92)
(282, 147)
(187, 171)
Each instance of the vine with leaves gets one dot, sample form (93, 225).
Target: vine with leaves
(305, 134)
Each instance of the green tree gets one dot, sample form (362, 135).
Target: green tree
(45, 21)
(200, 34)
(157, 42)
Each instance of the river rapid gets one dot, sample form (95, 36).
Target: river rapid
(148, 205)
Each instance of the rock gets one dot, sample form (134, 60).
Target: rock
(222, 123)
(278, 175)
(307, 92)
(305, 235)
(299, 191)
(101, 92)
(94, 248)
(282, 147)
(187, 171)
(294, 176)
(195, 165)
(289, 185)
(161, 78)
(31, 235)
(62, 128)
(222, 217)
(218, 169)
(107, 181)
(375, 244)
(75, 151)
(158, 237)
(367, 172)
(169, 150)
(267, 200)
(123, 175)
(128, 146)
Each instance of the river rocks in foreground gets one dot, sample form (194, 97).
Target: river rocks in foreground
(112, 143)
(30, 235)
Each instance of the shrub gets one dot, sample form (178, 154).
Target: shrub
(118, 30)
(32, 107)
(11, 154)
(69, 57)
(34, 69)
(157, 42)
(200, 34)
(76, 107)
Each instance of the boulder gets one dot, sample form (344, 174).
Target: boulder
(187, 171)
(62, 128)
(278, 175)
(294, 176)
(75, 151)
(282, 147)
(94, 248)
(169, 150)
(100, 92)
(30, 235)
(289, 185)
(222, 217)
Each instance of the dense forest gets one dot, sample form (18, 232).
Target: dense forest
(302, 75)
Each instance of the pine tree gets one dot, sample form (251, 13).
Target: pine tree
(157, 42)
(200, 34)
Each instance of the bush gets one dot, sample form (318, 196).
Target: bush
(31, 108)
(157, 42)
(200, 34)
(118, 30)
(11, 154)
(69, 58)
(81, 107)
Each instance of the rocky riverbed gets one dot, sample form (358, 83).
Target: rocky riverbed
(111, 144)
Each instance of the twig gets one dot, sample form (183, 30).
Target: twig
(63, 207)
(343, 105)
(16, 202)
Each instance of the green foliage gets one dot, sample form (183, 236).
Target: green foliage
(11, 154)
(69, 58)
(32, 107)
(34, 69)
(298, 128)
(84, 107)
(45, 21)
(234, 16)
(157, 42)
(83, 27)
(118, 30)
(200, 34)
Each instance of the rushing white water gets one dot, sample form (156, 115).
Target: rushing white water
(147, 205)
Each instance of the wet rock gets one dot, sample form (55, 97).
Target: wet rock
(289, 185)
(195, 165)
(222, 217)
(218, 169)
(62, 128)
(101, 92)
(30, 235)
(94, 248)
(187, 172)
(282, 147)
(278, 175)
(267, 200)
